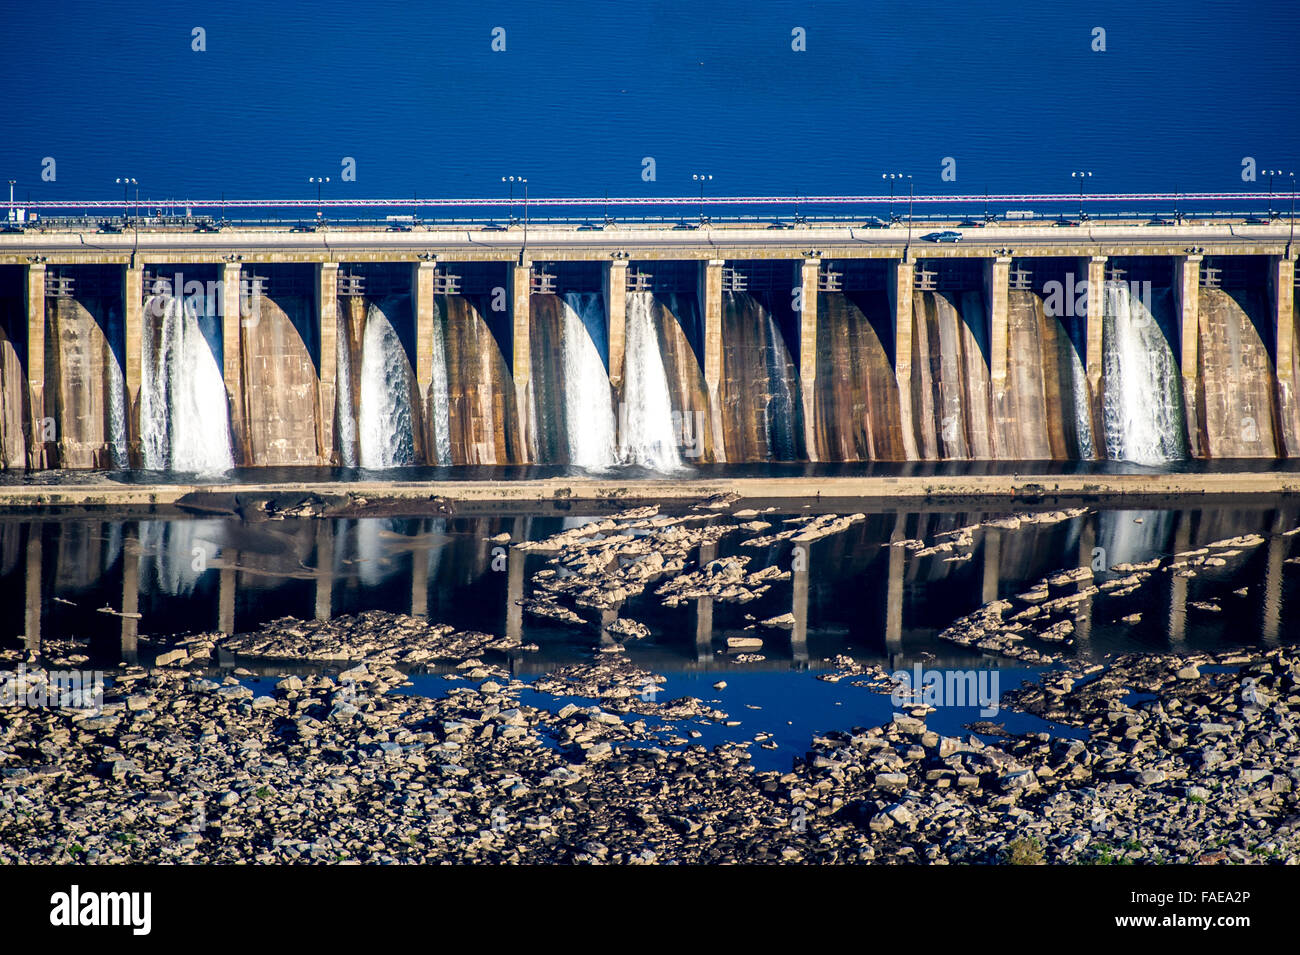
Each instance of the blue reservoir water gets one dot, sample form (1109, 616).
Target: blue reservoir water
(584, 93)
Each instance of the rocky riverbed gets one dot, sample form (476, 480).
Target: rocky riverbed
(338, 756)
(1188, 759)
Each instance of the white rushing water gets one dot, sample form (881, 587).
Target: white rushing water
(440, 398)
(184, 419)
(1086, 447)
(646, 433)
(1143, 404)
(385, 425)
(344, 416)
(588, 401)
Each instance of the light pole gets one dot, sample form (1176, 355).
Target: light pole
(1081, 176)
(13, 213)
(1271, 173)
(702, 178)
(891, 176)
(126, 183)
(320, 207)
(512, 180)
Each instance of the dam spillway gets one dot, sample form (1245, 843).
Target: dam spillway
(621, 348)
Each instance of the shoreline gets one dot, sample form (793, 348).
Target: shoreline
(1027, 488)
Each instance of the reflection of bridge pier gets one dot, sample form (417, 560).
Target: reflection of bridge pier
(1083, 610)
(515, 586)
(894, 598)
(1177, 584)
(704, 610)
(324, 569)
(1277, 548)
(992, 560)
(419, 581)
(799, 602)
(32, 613)
(226, 592)
(130, 592)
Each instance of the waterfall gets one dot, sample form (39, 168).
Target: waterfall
(386, 423)
(1086, 448)
(588, 403)
(184, 423)
(646, 433)
(1143, 403)
(440, 399)
(116, 396)
(344, 414)
(778, 411)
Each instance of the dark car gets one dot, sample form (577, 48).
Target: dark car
(945, 236)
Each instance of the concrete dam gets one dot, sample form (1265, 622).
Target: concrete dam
(187, 351)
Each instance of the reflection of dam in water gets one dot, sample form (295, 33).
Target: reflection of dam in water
(657, 362)
(859, 592)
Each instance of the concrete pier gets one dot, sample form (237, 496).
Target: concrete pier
(422, 296)
(616, 317)
(231, 366)
(1094, 338)
(711, 306)
(38, 454)
(1187, 288)
(1282, 293)
(133, 312)
(901, 296)
(810, 276)
(997, 281)
(521, 291)
(327, 310)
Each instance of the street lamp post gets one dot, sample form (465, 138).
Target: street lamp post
(13, 213)
(320, 206)
(126, 183)
(891, 176)
(1271, 173)
(510, 217)
(702, 178)
(1081, 176)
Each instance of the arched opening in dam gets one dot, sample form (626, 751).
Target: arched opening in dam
(1236, 378)
(762, 402)
(379, 416)
(856, 407)
(571, 398)
(951, 411)
(280, 365)
(470, 411)
(181, 414)
(663, 409)
(15, 410)
(1047, 412)
(85, 359)
(1143, 417)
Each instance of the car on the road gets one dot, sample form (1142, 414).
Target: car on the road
(948, 235)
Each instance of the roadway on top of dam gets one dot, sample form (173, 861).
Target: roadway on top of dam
(339, 241)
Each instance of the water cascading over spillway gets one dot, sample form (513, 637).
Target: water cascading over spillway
(572, 401)
(184, 422)
(588, 406)
(1142, 407)
(385, 424)
(647, 435)
(950, 376)
(761, 399)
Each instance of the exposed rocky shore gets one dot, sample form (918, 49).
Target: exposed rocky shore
(1188, 757)
(1201, 765)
